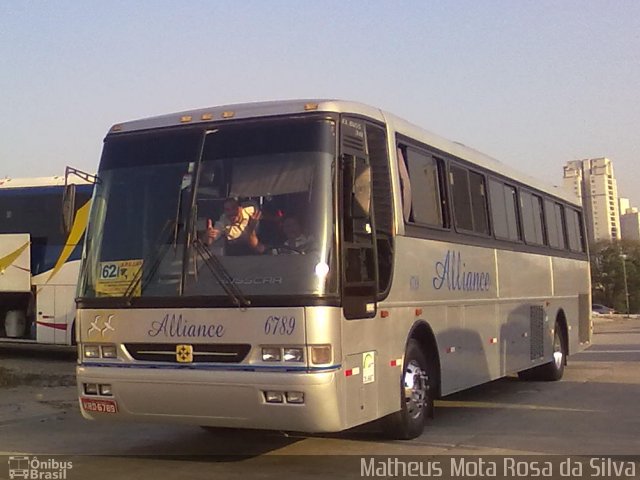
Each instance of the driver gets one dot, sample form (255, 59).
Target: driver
(237, 226)
(296, 239)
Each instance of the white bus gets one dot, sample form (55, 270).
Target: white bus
(433, 268)
(39, 260)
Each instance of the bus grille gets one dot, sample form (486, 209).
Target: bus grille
(537, 332)
(209, 353)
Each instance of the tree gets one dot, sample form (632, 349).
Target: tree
(607, 274)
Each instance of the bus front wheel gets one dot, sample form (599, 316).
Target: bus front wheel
(416, 396)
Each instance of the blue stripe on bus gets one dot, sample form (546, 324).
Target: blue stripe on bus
(245, 368)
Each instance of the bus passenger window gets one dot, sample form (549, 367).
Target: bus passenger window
(532, 218)
(424, 175)
(469, 200)
(461, 200)
(504, 213)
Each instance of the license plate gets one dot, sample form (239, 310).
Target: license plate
(98, 405)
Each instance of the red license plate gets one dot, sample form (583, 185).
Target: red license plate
(99, 405)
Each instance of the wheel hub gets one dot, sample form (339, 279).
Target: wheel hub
(415, 389)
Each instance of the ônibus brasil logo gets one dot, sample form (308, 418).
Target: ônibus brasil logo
(32, 468)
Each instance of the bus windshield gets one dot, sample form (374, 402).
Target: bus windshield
(265, 188)
(37, 211)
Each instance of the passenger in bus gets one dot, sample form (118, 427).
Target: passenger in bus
(270, 230)
(237, 228)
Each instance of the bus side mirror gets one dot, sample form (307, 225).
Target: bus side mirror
(68, 207)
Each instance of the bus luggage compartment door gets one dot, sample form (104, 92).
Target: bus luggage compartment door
(361, 388)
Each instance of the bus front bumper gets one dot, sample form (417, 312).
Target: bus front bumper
(221, 398)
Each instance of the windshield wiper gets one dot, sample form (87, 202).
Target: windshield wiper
(154, 258)
(221, 274)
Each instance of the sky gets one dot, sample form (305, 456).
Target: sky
(533, 83)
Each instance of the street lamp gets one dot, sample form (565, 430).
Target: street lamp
(623, 256)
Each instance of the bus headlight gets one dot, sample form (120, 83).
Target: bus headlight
(274, 397)
(295, 397)
(91, 351)
(100, 351)
(109, 351)
(271, 354)
(294, 354)
(105, 389)
(91, 388)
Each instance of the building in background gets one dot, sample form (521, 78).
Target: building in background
(629, 221)
(593, 181)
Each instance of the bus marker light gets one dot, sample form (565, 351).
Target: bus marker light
(116, 128)
(352, 371)
(274, 397)
(295, 397)
(493, 340)
(311, 106)
(228, 114)
(396, 362)
(384, 313)
(186, 118)
(451, 350)
(418, 312)
(207, 116)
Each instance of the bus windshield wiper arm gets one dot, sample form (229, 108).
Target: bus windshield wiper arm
(220, 273)
(154, 258)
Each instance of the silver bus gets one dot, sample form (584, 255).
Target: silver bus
(428, 268)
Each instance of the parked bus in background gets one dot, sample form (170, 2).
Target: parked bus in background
(39, 262)
(431, 268)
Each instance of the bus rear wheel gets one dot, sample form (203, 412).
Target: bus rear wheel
(416, 396)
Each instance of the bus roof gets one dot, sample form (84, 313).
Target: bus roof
(289, 107)
(57, 180)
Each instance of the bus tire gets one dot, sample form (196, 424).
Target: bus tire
(416, 395)
(554, 370)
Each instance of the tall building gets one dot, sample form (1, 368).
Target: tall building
(623, 205)
(629, 221)
(593, 181)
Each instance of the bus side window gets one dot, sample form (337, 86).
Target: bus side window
(554, 215)
(405, 184)
(504, 211)
(478, 191)
(425, 178)
(382, 204)
(469, 193)
(532, 219)
(575, 230)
